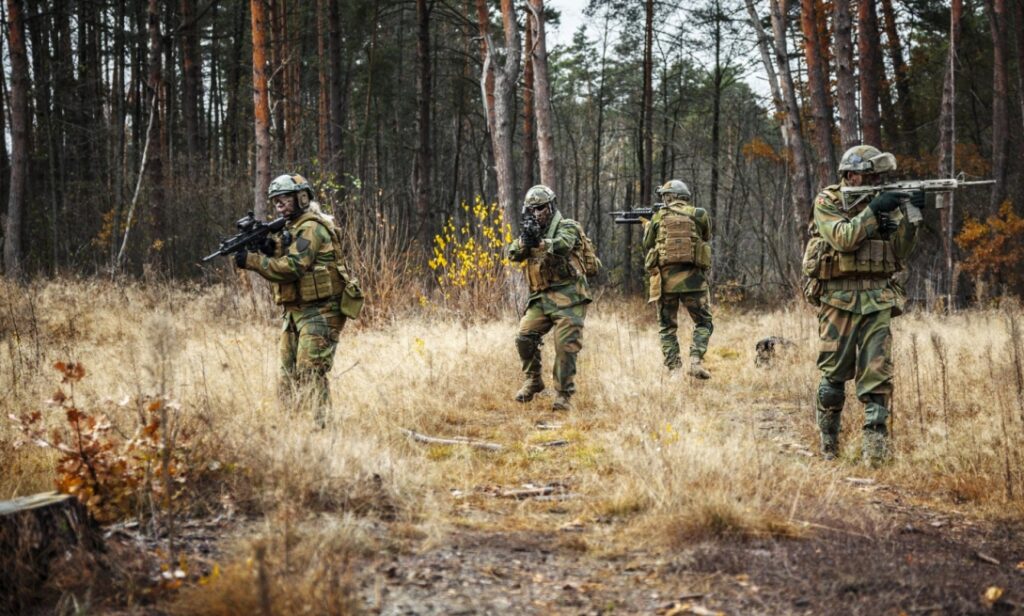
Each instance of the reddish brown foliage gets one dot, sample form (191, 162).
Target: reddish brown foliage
(995, 247)
(112, 476)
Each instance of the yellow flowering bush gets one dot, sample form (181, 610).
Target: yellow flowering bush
(469, 260)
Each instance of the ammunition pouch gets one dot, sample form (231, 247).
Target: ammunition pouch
(813, 288)
(854, 284)
(544, 270)
(320, 282)
(872, 259)
(352, 299)
(285, 292)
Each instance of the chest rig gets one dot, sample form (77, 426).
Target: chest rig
(326, 277)
(873, 259)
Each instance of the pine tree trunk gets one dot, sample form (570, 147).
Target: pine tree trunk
(870, 72)
(20, 145)
(191, 88)
(947, 141)
(261, 105)
(545, 122)
(323, 95)
(487, 72)
(421, 168)
(846, 83)
(996, 10)
(529, 138)
(716, 114)
(505, 77)
(339, 107)
(802, 193)
(155, 164)
(821, 108)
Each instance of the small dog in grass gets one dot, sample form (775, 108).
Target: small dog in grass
(766, 349)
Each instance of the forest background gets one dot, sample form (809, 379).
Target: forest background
(137, 132)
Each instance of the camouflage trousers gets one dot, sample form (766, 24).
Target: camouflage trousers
(696, 303)
(853, 346)
(542, 316)
(309, 339)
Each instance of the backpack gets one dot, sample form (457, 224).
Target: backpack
(585, 255)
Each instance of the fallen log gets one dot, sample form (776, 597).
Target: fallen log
(41, 535)
(455, 440)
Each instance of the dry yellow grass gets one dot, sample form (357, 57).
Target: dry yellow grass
(657, 461)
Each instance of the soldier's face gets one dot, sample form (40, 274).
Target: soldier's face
(542, 213)
(863, 179)
(284, 204)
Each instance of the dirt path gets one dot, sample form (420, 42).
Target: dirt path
(922, 562)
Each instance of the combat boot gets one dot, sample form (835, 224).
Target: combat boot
(875, 447)
(829, 447)
(531, 386)
(697, 369)
(561, 402)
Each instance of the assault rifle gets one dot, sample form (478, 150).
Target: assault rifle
(633, 216)
(250, 233)
(531, 229)
(854, 195)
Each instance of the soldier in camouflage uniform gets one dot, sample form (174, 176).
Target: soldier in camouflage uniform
(854, 250)
(677, 245)
(558, 297)
(304, 266)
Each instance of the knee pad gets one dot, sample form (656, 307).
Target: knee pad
(528, 345)
(830, 395)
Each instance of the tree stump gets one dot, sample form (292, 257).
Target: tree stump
(40, 537)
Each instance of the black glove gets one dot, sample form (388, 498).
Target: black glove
(529, 241)
(886, 225)
(268, 246)
(240, 257)
(886, 202)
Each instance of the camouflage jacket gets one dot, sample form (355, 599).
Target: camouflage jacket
(844, 232)
(554, 253)
(311, 245)
(679, 278)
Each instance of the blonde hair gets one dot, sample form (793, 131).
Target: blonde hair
(314, 207)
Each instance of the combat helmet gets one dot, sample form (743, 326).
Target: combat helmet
(866, 159)
(675, 187)
(291, 183)
(538, 195)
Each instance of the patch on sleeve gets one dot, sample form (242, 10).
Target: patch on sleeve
(301, 244)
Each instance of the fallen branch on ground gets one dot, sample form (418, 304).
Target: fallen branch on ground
(457, 440)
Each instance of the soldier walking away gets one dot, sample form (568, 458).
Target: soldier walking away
(557, 253)
(311, 283)
(853, 251)
(677, 242)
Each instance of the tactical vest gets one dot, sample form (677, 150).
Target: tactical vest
(873, 258)
(545, 270)
(321, 281)
(679, 241)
